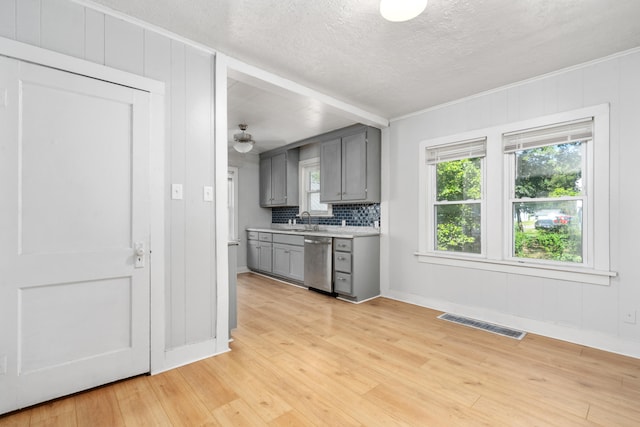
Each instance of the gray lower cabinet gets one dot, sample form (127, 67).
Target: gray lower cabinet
(253, 254)
(279, 254)
(356, 267)
(259, 251)
(288, 256)
(288, 261)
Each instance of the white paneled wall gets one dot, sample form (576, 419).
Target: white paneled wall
(71, 29)
(589, 314)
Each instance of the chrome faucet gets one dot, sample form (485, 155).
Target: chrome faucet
(308, 218)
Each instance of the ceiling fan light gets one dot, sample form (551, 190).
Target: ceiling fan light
(243, 140)
(401, 10)
(243, 147)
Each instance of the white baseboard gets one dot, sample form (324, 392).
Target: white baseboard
(187, 354)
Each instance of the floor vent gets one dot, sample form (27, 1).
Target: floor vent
(500, 330)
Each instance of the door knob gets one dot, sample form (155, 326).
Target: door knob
(140, 252)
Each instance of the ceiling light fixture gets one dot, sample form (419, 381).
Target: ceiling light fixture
(401, 10)
(243, 140)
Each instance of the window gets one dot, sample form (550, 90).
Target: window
(528, 198)
(309, 172)
(232, 202)
(456, 200)
(547, 196)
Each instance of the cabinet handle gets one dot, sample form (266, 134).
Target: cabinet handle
(342, 278)
(286, 252)
(338, 194)
(341, 258)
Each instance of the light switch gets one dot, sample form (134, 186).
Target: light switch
(176, 191)
(207, 193)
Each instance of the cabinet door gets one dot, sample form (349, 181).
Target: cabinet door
(354, 167)
(253, 254)
(331, 171)
(279, 179)
(281, 260)
(296, 263)
(264, 259)
(265, 182)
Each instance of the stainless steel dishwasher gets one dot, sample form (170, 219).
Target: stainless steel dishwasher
(318, 271)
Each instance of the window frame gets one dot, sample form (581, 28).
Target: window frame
(587, 172)
(433, 203)
(303, 166)
(497, 254)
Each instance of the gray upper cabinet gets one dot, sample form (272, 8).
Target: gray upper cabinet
(331, 170)
(350, 168)
(279, 179)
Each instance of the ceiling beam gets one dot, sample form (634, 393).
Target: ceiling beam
(270, 82)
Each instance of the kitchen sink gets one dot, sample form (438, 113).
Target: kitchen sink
(305, 228)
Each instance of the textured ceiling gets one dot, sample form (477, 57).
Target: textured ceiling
(456, 48)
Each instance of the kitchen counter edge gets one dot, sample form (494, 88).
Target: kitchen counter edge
(350, 234)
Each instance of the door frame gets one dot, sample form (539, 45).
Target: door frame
(156, 89)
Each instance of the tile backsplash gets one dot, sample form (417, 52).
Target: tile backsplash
(355, 215)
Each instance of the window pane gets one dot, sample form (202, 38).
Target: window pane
(314, 179)
(548, 230)
(458, 228)
(315, 205)
(551, 171)
(459, 180)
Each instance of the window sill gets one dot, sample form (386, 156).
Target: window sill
(581, 275)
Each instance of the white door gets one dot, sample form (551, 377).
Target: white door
(74, 306)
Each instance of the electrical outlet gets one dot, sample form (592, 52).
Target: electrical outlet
(630, 317)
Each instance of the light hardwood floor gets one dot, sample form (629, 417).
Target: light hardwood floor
(302, 359)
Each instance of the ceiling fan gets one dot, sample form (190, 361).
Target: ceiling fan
(243, 140)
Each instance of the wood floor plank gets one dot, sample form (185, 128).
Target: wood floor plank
(58, 412)
(291, 419)
(98, 408)
(138, 404)
(178, 400)
(237, 413)
(17, 419)
(210, 390)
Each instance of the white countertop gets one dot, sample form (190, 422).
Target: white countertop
(324, 230)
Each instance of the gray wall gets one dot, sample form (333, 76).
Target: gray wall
(250, 213)
(69, 28)
(580, 312)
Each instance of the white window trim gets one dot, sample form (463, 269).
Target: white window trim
(430, 202)
(302, 185)
(497, 256)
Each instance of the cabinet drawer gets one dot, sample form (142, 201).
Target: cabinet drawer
(252, 235)
(342, 261)
(265, 237)
(288, 239)
(342, 283)
(343, 245)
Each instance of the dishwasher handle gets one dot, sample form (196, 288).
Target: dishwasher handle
(318, 241)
